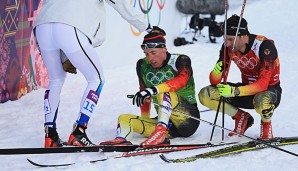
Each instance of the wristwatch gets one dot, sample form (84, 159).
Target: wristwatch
(236, 91)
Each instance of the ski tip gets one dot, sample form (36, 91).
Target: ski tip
(45, 165)
(30, 161)
(163, 157)
(35, 164)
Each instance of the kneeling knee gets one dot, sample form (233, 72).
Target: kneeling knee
(208, 93)
(263, 105)
(203, 95)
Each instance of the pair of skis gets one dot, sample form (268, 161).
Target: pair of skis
(137, 151)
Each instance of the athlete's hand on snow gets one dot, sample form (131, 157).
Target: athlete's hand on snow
(226, 90)
(218, 67)
(139, 97)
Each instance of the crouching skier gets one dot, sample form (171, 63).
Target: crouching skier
(167, 79)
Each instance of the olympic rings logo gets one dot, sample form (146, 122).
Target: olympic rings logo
(146, 7)
(159, 77)
(244, 62)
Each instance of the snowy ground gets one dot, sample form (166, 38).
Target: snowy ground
(22, 120)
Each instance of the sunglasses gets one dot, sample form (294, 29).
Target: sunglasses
(153, 45)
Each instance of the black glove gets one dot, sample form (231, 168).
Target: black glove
(139, 97)
(68, 67)
(156, 29)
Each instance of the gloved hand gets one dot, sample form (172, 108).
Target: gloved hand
(156, 29)
(68, 67)
(139, 97)
(226, 90)
(218, 67)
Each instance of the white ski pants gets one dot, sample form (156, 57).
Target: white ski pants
(52, 39)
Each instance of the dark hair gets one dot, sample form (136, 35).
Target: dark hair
(232, 24)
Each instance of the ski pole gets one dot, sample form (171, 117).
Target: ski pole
(202, 120)
(206, 110)
(241, 14)
(225, 72)
(216, 115)
(226, 75)
(149, 101)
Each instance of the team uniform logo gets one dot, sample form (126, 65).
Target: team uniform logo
(267, 52)
(245, 62)
(159, 77)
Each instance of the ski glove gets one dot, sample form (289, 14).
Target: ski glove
(156, 29)
(139, 97)
(218, 67)
(226, 90)
(68, 67)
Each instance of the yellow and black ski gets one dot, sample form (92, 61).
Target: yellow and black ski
(238, 148)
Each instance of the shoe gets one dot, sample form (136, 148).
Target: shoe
(78, 137)
(117, 141)
(52, 138)
(158, 138)
(243, 121)
(266, 130)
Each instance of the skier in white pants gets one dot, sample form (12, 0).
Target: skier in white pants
(75, 28)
